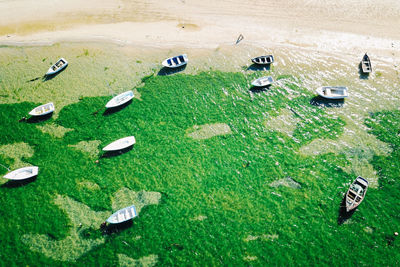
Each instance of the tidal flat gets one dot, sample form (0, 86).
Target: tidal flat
(209, 154)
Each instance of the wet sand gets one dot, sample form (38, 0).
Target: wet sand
(340, 26)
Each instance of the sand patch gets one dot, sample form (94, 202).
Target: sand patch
(208, 130)
(358, 147)
(91, 148)
(17, 151)
(84, 220)
(68, 249)
(79, 213)
(146, 261)
(75, 244)
(368, 230)
(126, 197)
(88, 185)
(285, 123)
(199, 218)
(250, 258)
(54, 130)
(287, 182)
(137, 94)
(263, 237)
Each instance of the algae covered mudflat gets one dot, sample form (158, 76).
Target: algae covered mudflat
(205, 173)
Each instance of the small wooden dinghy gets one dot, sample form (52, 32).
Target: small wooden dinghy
(263, 60)
(333, 92)
(42, 110)
(366, 64)
(356, 193)
(22, 173)
(263, 81)
(57, 67)
(120, 99)
(120, 144)
(123, 215)
(175, 62)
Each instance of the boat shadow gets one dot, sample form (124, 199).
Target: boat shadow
(108, 229)
(52, 76)
(169, 71)
(324, 102)
(257, 90)
(362, 75)
(111, 111)
(35, 79)
(37, 119)
(257, 67)
(343, 214)
(19, 183)
(111, 154)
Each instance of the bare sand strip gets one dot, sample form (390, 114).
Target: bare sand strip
(338, 25)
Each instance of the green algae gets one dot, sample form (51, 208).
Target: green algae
(73, 245)
(215, 202)
(82, 218)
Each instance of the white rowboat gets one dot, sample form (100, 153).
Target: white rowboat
(57, 67)
(175, 62)
(120, 144)
(263, 81)
(356, 193)
(123, 215)
(42, 110)
(333, 92)
(22, 173)
(120, 99)
(263, 60)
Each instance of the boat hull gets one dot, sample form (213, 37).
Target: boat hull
(263, 81)
(22, 173)
(333, 92)
(366, 64)
(356, 193)
(42, 110)
(120, 144)
(123, 215)
(57, 67)
(120, 99)
(263, 60)
(176, 62)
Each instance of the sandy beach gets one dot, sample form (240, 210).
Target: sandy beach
(355, 26)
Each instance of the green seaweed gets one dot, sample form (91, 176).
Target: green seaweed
(224, 180)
